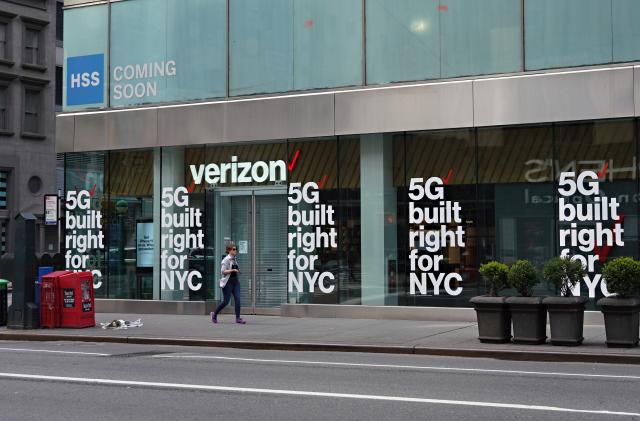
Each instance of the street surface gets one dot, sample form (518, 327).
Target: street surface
(86, 381)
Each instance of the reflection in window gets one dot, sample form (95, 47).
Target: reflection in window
(516, 195)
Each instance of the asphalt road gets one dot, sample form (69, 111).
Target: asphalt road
(84, 381)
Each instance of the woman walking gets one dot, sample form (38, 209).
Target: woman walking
(230, 284)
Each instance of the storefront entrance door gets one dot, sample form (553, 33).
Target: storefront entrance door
(256, 221)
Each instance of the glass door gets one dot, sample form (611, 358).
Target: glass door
(234, 222)
(256, 221)
(271, 248)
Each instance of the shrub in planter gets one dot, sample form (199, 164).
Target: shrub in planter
(527, 313)
(566, 313)
(492, 312)
(621, 311)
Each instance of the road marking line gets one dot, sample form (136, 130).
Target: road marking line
(55, 352)
(183, 386)
(416, 367)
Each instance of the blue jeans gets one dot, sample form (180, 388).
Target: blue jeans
(232, 287)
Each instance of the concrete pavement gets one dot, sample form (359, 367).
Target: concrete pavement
(324, 334)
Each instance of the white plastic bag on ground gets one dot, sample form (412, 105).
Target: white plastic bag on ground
(121, 324)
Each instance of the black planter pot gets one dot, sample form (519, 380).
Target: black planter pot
(621, 321)
(529, 317)
(566, 317)
(494, 320)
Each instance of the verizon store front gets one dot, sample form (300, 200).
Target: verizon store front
(398, 219)
(354, 162)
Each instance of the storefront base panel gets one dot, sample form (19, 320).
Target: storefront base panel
(171, 307)
(434, 314)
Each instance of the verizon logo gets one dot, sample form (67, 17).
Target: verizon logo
(239, 172)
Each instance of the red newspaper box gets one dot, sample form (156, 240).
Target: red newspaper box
(77, 308)
(50, 298)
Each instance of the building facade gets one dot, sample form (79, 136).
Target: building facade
(27, 116)
(365, 152)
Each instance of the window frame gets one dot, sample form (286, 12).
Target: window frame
(39, 134)
(7, 19)
(5, 84)
(39, 27)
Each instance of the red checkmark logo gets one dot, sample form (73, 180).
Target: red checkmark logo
(603, 171)
(603, 253)
(292, 163)
(93, 190)
(446, 179)
(321, 183)
(191, 187)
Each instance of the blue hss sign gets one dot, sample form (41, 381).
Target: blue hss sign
(85, 79)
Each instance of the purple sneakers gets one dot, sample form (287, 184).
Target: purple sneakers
(241, 322)
(214, 318)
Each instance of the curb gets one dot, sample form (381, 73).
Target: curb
(500, 354)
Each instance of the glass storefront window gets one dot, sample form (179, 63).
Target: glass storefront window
(84, 176)
(490, 41)
(167, 50)
(395, 219)
(130, 205)
(85, 53)
(608, 150)
(626, 32)
(437, 227)
(286, 45)
(567, 33)
(417, 40)
(516, 195)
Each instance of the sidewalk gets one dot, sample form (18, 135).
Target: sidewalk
(330, 334)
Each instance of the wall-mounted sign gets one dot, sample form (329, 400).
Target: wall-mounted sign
(144, 244)
(51, 209)
(85, 79)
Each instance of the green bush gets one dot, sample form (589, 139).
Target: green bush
(563, 274)
(495, 273)
(523, 277)
(622, 275)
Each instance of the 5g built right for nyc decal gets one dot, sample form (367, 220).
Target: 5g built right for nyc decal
(595, 242)
(423, 242)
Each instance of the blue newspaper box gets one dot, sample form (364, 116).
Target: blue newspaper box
(42, 270)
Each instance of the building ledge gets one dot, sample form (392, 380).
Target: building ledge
(37, 136)
(36, 67)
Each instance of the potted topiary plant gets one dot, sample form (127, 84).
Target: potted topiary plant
(527, 313)
(492, 312)
(621, 311)
(566, 312)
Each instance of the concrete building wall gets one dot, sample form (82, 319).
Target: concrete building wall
(29, 156)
